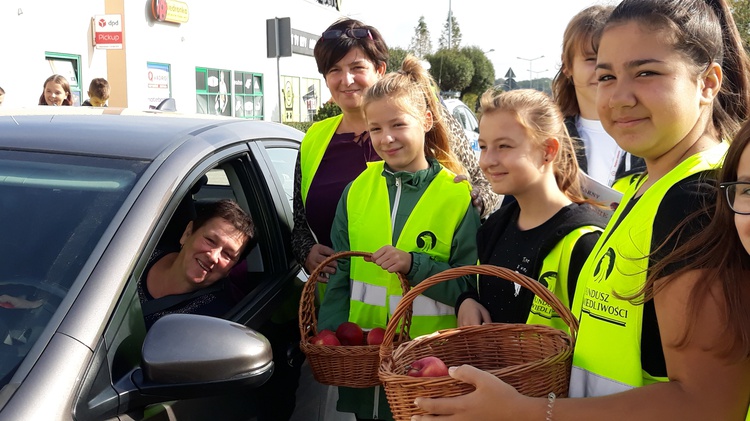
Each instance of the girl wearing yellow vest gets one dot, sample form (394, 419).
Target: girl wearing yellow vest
(657, 341)
(549, 230)
(409, 213)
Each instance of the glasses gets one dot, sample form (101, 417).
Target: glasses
(357, 33)
(738, 196)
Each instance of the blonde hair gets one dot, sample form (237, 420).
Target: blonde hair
(542, 119)
(410, 88)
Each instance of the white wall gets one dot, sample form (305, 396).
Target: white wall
(222, 34)
(29, 28)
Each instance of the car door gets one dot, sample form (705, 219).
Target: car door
(234, 173)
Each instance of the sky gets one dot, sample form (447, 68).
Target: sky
(529, 29)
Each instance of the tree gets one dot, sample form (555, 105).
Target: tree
(421, 44)
(396, 56)
(484, 71)
(741, 14)
(451, 69)
(451, 24)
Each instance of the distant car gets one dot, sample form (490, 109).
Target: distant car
(86, 195)
(467, 120)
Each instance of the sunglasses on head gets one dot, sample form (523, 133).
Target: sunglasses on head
(357, 33)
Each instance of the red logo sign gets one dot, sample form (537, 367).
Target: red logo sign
(102, 23)
(109, 37)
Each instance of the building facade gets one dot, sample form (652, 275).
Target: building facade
(209, 56)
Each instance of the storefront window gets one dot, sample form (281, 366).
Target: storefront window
(248, 95)
(212, 92)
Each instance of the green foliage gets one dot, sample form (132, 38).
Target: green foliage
(421, 44)
(471, 100)
(741, 14)
(301, 126)
(396, 56)
(484, 71)
(451, 69)
(329, 109)
(451, 25)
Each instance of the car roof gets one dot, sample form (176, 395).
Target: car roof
(123, 132)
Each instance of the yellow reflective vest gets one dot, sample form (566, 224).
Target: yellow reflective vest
(429, 229)
(607, 357)
(554, 275)
(312, 149)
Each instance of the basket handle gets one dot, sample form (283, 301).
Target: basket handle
(386, 348)
(308, 321)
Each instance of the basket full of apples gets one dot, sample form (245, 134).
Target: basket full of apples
(348, 356)
(534, 359)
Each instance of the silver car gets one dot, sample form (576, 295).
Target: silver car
(86, 195)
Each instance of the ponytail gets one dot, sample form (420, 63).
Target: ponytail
(411, 88)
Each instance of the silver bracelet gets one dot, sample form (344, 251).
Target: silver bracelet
(550, 403)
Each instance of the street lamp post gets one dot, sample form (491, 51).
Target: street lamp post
(530, 60)
(536, 73)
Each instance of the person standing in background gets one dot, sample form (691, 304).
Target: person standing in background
(574, 90)
(98, 93)
(56, 92)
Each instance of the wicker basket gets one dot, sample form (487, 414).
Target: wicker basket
(534, 359)
(350, 366)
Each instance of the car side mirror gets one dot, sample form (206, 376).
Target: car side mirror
(187, 355)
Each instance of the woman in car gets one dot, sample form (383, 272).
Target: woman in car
(193, 278)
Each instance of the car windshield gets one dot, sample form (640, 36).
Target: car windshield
(55, 209)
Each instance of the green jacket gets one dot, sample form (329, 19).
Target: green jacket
(335, 307)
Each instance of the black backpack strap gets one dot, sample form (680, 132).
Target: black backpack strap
(168, 301)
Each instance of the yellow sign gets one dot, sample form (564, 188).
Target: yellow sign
(170, 11)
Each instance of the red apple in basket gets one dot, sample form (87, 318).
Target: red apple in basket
(428, 367)
(375, 336)
(325, 337)
(349, 333)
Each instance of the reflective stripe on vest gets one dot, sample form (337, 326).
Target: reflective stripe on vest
(312, 149)
(375, 295)
(554, 275)
(429, 229)
(607, 357)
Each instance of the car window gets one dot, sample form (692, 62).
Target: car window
(471, 120)
(54, 210)
(461, 117)
(284, 160)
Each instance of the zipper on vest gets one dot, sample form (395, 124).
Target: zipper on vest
(395, 204)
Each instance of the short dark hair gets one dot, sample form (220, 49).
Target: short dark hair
(2, 91)
(99, 88)
(328, 52)
(231, 212)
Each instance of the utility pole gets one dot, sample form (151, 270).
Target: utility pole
(530, 60)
